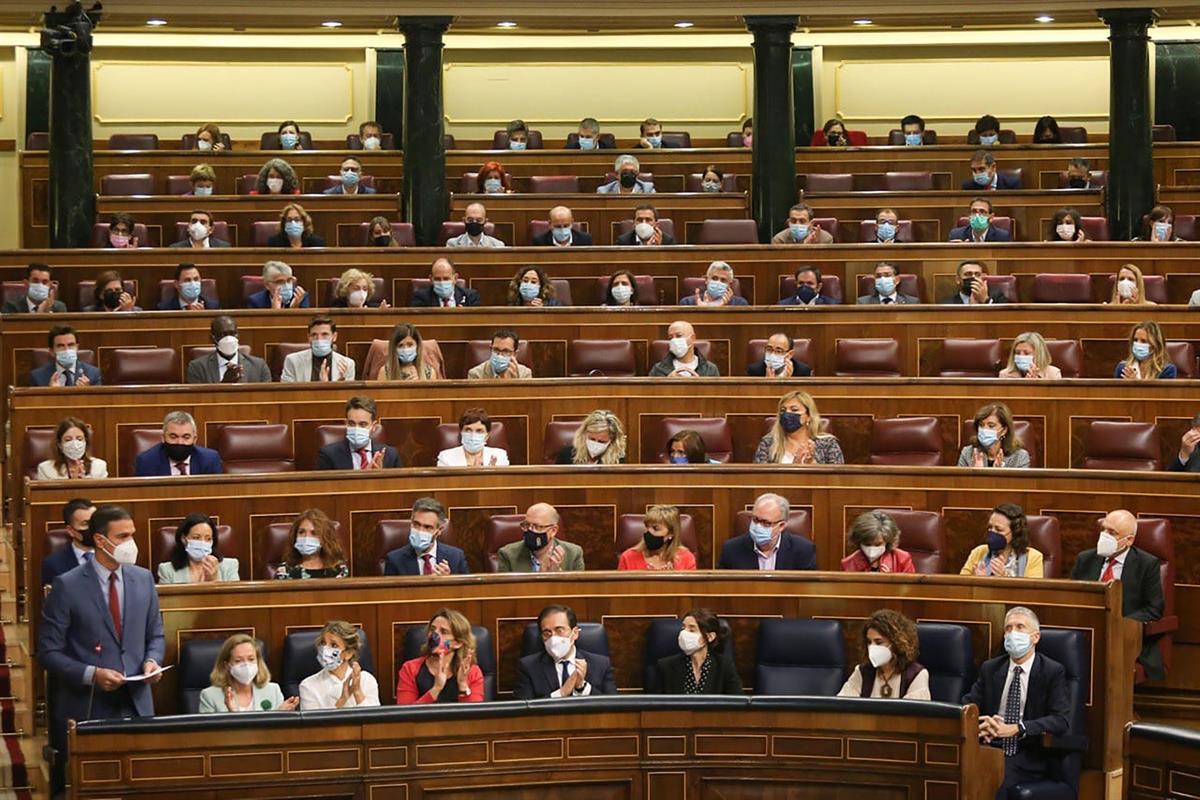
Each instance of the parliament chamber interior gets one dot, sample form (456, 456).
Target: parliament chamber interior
(575, 285)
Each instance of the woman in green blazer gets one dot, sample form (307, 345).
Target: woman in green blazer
(242, 682)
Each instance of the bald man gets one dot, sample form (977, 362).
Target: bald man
(683, 360)
(540, 549)
(561, 234)
(475, 219)
(1115, 558)
(443, 290)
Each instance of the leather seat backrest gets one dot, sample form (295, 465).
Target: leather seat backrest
(714, 431)
(677, 138)
(197, 657)
(256, 448)
(1183, 356)
(554, 184)
(873, 357)
(133, 141)
(605, 358)
(908, 181)
(922, 536)
(560, 433)
(799, 522)
(415, 637)
(262, 230)
(945, 650)
(970, 358)
(799, 656)
(38, 140)
(1108, 444)
(630, 529)
(1062, 288)
(139, 440)
(1067, 355)
(280, 353)
(1154, 537)
(1096, 228)
(300, 658)
(728, 231)
(1070, 648)
(1044, 536)
(908, 441)
(1073, 134)
(37, 446)
(822, 182)
(130, 366)
(593, 638)
(501, 529)
(1005, 284)
(141, 183)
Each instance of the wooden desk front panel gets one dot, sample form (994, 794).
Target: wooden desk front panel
(1161, 764)
(592, 752)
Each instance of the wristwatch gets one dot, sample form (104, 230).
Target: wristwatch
(1020, 729)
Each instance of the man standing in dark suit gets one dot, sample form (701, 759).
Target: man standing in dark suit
(100, 626)
(1114, 558)
(425, 554)
(808, 290)
(972, 287)
(76, 514)
(443, 290)
(779, 360)
(66, 369)
(1188, 459)
(40, 295)
(1020, 696)
(177, 453)
(979, 227)
(562, 670)
(768, 546)
(561, 234)
(227, 363)
(357, 450)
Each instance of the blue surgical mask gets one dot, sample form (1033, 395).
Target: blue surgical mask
(655, 141)
(987, 437)
(515, 145)
(885, 231)
(775, 361)
(1023, 363)
(493, 185)
(500, 363)
(885, 285)
(358, 437)
(1141, 350)
(914, 139)
(561, 234)
(805, 293)
(349, 177)
(473, 441)
(38, 292)
(288, 140)
(66, 358)
(294, 228)
(407, 355)
(988, 141)
(982, 178)
(1161, 229)
(189, 290)
(321, 347)
(421, 541)
(529, 290)
(717, 288)
(1017, 644)
(308, 545)
(761, 534)
(197, 550)
(799, 231)
(587, 143)
(202, 191)
(443, 289)
(286, 292)
(679, 459)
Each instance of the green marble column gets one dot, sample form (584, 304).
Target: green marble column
(426, 200)
(1130, 189)
(774, 156)
(67, 38)
(389, 92)
(37, 92)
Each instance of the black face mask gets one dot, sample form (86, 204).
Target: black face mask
(1076, 182)
(382, 241)
(653, 543)
(834, 138)
(628, 179)
(967, 285)
(474, 228)
(789, 421)
(179, 452)
(806, 293)
(535, 541)
(111, 298)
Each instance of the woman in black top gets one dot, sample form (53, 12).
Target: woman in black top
(701, 666)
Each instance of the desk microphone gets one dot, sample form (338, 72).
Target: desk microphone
(92, 694)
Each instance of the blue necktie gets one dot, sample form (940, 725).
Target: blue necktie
(566, 675)
(1012, 710)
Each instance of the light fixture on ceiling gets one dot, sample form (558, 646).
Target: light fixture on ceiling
(685, 24)
(331, 23)
(863, 22)
(1044, 18)
(506, 23)
(156, 22)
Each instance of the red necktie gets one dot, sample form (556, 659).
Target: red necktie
(114, 603)
(427, 564)
(362, 458)
(182, 467)
(1108, 570)
(445, 304)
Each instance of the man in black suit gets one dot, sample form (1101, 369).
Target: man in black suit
(561, 669)
(972, 287)
(561, 234)
(189, 291)
(808, 289)
(986, 176)
(979, 227)
(40, 294)
(357, 450)
(1188, 459)
(1114, 558)
(425, 554)
(645, 229)
(443, 289)
(76, 514)
(779, 360)
(768, 546)
(1020, 696)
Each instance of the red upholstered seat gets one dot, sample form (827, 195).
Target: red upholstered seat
(907, 181)
(631, 529)
(280, 353)
(715, 431)
(130, 366)
(676, 139)
(560, 433)
(1154, 537)
(1156, 287)
(1044, 537)
(554, 184)
(38, 446)
(1096, 228)
(904, 231)
(276, 541)
(906, 284)
(1006, 284)
(644, 290)
(246, 184)
(799, 522)
(220, 231)
(386, 141)
(1073, 134)
(38, 140)
(601, 358)
(140, 440)
(922, 536)
(127, 185)
(906, 441)
(133, 141)
(1183, 356)
(446, 436)
(694, 182)
(728, 231)
(1067, 355)
(970, 358)
(1056, 287)
(1162, 133)
(819, 182)
(1108, 444)
(270, 141)
(262, 231)
(867, 357)
(802, 350)
(533, 140)
(501, 529)
(256, 448)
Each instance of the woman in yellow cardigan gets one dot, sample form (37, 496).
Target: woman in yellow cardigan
(1006, 553)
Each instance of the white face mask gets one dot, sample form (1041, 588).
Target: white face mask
(74, 449)
(1125, 287)
(596, 449)
(227, 346)
(125, 553)
(244, 671)
(679, 346)
(275, 185)
(198, 231)
(644, 231)
(1106, 545)
(371, 143)
(559, 646)
(878, 655)
(358, 298)
(874, 552)
(1066, 231)
(690, 641)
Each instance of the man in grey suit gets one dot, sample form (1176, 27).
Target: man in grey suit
(887, 292)
(540, 549)
(226, 364)
(100, 627)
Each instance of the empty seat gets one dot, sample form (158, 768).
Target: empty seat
(127, 185)
(593, 638)
(559, 434)
(945, 650)
(1062, 288)
(1162, 133)
(728, 231)
(128, 366)
(970, 358)
(1044, 536)
(631, 527)
(1122, 445)
(906, 441)
(1073, 134)
(829, 182)
(415, 637)
(694, 182)
(896, 137)
(554, 184)
(1072, 649)
(1154, 537)
(197, 657)
(714, 431)
(133, 141)
(256, 448)
(300, 658)
(676, 139)
(279, 354)
(867, 358)
(799, 522)
(386, 141)
(601, 358)
(270, 141)
(922, 536)
(501, 529)
(907, 181)
(38, 140)
(533, 140)
(1096, 228)
(1005, 284)
(1183, 356)
(867, 231)
(800, 656)
(261, 231)
(1067, 355)
(37, 446)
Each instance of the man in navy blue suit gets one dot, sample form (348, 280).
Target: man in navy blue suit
(66, 369)
(768, 546)
(425, 554)
(561, 669)
(76, 514)
(178, 453)
(986, 176)
(979, 227)
(808, 289)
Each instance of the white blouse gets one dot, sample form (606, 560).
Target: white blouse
(49, 471)
(457, 457)
(323, 689)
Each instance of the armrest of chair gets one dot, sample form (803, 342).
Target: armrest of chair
(1161, 626)
(1067, 742)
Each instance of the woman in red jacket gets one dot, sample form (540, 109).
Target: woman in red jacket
(446, 671)
(876, 539)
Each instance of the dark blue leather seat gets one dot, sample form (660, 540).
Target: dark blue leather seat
(662, 640)
(300, 659)
(592, 639)
(485, 656)
(945, 650)
(197, 657)
(800, 656)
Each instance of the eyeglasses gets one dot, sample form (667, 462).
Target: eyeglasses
(526, 527)
(768, 523)
(509, 353)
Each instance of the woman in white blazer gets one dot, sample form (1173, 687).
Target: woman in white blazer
(72, 454)
(473, 429)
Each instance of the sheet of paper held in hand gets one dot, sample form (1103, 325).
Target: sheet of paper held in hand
(159, 671)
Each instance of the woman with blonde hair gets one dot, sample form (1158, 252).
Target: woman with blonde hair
(1147, 359)
(446, 671)
(406, 357)
(1029, 358)
(315, 552)
(599, 439)
(795, 436)
(342, 682)
(661, 546)
(241, 681)
(354, 289)
(1130, 287)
